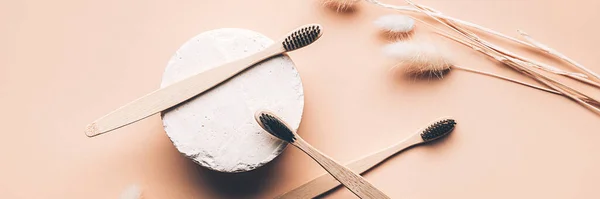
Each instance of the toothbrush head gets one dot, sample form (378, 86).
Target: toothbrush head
(438, 129)
(302, 37)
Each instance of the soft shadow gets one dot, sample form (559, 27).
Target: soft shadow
(387, 36)
(340, 9)
(414, 77)
(249, 184)
(337, 11)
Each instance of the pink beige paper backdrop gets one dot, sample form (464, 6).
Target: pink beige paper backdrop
(64, 63)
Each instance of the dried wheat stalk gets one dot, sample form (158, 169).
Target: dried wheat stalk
(557, 54)
(506, 57)
(536, 45)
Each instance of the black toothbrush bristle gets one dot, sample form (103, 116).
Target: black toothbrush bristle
(302, 37)
(438, 129)
(276, 127)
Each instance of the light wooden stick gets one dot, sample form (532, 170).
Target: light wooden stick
(174, 94)
(354, 182)
(326, 182)
(181, 91)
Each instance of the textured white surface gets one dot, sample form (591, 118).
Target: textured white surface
(217, 129)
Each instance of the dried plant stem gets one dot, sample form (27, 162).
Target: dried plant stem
(529, 62)
(551, 51)
(447, 35)
(432, 13)
(567, 91)
(503, 56)
(505, 78)
(576, 76)
(534, 64)
(586, 99)
(515, 62)
(498, 49)
(594, 104)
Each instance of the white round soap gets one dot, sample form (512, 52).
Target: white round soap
(217, 128)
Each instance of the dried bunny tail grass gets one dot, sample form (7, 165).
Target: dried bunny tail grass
(412, 7)
(340, 5)
(395, 23)
(419, 58)
(396, 26)
(132, 192)
(426, 59)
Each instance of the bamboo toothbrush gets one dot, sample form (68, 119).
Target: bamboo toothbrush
(325, 182)
(354, 182)
(178, 92)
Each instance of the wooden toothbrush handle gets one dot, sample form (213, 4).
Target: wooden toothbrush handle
(354, 182)
(177, 92)
(326, 182)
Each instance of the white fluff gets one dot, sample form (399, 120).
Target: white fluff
(132, 192)
(395, 23)
(419, 57)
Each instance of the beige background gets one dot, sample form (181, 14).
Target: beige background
(64, 63)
